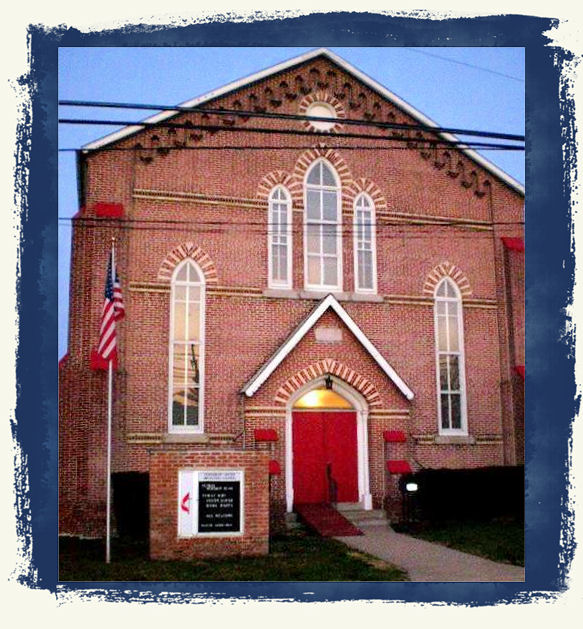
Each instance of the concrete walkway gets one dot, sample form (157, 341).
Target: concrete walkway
(425, 561)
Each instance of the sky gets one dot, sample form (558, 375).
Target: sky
(479, 88)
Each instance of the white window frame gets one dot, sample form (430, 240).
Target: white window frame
(199, 428)
(271, 282)
(463, 430)
(336, 188)
(373, 245)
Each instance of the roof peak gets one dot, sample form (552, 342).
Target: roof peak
(285, 65)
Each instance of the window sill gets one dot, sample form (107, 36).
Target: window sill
(282, 293)
(286, 293)
(455, 440)
(185, 437)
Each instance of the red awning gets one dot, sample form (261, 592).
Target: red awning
(398, 467)
(394, 436)
(274, 468)
(265, 434)
(515, 244)
(109, 210)
(520, 370)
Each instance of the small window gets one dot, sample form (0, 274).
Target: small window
(450, 359)
(322, 229)
(321, 110)
(186, 349)
(279, 239)
(364, 245)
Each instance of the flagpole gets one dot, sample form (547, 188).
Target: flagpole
(109, 418)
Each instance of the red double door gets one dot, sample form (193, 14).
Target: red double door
(321, 439)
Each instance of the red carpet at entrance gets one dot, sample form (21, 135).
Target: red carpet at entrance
(326, 521)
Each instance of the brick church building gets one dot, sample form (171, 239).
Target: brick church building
(309, 315)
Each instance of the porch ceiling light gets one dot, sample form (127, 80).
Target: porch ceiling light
(322, 398)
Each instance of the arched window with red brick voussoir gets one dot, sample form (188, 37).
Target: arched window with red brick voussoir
(279, 241)
(186, 352)
(449, 341)
(322, 228)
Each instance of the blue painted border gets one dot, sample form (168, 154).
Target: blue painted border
(549, 268)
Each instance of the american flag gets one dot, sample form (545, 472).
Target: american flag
(113, 310)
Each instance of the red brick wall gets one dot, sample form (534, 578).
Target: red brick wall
(164, 467)
(221, 196)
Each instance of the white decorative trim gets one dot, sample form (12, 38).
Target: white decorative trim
(328, 302)
(377, 87)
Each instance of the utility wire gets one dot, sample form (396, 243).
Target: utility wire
(223, 222)
(263, 130)
(489, 147)
(380, 236)
(254, 114)
(464, 63)
(249, 225)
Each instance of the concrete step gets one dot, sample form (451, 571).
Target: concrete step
(362, 518)
(291, 521)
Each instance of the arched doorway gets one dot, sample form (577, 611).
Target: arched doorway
(327, 447)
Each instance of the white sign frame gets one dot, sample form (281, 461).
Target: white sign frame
(188, 500)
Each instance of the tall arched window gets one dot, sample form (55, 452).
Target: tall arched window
(364, 245)
(186, 364)
(279, 239)
(322, 229)
(450, 359)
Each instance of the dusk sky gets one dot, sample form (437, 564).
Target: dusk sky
(479, 88)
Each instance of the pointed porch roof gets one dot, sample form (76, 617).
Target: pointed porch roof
(329, 302)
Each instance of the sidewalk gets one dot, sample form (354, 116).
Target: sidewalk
(425, 561)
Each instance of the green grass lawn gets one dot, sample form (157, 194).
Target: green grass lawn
(298, 556)
(498, 540)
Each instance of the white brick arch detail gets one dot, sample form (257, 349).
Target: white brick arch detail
(278, 178)
(335, 368)
(322, 97)
(363, 184)
(188, 250)
(446, 269)
(305, 161)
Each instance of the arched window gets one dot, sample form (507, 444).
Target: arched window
(279, 239)
(322, 229)
(450, 359)
(364, 245)
(186, 364)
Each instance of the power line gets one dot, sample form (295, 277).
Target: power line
(380, 236)
(279, 116)
(161, 149)
(263, 130)
(222, 222)
(464, 63)
(249, 226)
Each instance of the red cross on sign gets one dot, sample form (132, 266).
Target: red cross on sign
(185, 504)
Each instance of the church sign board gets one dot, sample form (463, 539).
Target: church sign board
(210, 502)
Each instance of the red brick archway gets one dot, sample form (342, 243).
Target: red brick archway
(335, 368)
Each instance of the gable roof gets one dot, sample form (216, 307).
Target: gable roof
(329, 302)
(323, 52)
